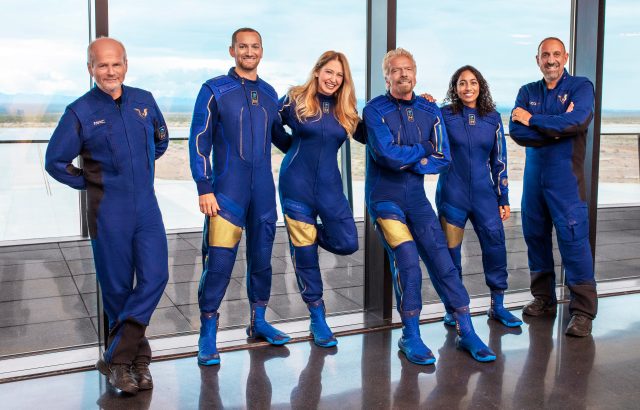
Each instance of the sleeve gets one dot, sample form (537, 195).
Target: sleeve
(64, 146)
(279, 135)
(568, 124)
(160, 132)
(384, 150)
(520, 133)
(439, 156)
(205, 115)
(360, 134)
(498, 163)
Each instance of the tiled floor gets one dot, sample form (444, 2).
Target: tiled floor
(537, 367)
(48, 299)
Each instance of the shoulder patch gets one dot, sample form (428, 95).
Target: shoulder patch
(222, 84)
(382, 104)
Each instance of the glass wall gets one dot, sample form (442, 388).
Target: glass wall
(618, 238)
(43, 70)
(45, 297)
(499, 39)
(172, 51)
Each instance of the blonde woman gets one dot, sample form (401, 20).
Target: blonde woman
(321, 114)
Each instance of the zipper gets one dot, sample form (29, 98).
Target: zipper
(266, 120)
(241, 111)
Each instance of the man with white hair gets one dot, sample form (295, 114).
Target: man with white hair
(406, 139)
(119, 132)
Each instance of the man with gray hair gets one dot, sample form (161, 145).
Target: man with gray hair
(119, 132)
(406, 139)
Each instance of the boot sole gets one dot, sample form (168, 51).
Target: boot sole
(268, 339)
(325, 344)
(504, 322)
(485, 359)
(420, 362)
(208, 362)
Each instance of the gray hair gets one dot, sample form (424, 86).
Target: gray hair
(391, 54)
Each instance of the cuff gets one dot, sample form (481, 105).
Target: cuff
(428, 148)
(204, 187)
(503, 200)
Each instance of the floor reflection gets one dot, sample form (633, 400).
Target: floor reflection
(537, 367)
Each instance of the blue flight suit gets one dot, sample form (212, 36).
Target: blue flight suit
(554, 191)
(405, 140)
(232, 127)
(473, 187)
(311, 186)
(118, 141)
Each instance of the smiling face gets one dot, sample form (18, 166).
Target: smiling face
(247, 51)
(551, 59)
(401, 77)
(468, 88)
(108, 66)
(330, 77)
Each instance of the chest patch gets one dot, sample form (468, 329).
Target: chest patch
(99, 122)
(254, 98)
(472, 119)
(325, 107)
(410, 114)
(562, 98)
(142, 113)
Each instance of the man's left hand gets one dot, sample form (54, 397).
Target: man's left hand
(521, 115)
(505, 212)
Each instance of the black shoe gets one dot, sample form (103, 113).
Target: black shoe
(538, 307)
(142, 375)
(119, 376)
(579, 326)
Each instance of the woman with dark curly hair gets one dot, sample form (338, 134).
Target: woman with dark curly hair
(476, 186)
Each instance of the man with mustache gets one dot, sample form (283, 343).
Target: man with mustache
(231, 126)
(550, 119)
(119, 132)
(406, 139)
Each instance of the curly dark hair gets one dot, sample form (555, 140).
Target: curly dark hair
(484, 104)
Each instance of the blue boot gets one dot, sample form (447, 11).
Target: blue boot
(260, 328)
(322, 335)
(468, 339)
(498, 311)
(449, 320)
(207, 352)
(411, 344)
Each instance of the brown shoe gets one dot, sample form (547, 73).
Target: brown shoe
(142, 374)
(539, 307)
(119, 376)
(579, 326)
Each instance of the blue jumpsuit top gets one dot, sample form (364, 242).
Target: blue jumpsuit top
(405, 140)
(477, 175)
(310, 167)
(556, 140)
(118, 145)
(233, 117)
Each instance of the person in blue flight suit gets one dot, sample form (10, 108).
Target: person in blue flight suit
(476, 187)
(232, 125)
(406, 139)
(119, 132)
(321, 115)
(550, 119)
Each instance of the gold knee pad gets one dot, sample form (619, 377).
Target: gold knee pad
(453, 233)
(301, 233)
(223, 233)
(395, 232)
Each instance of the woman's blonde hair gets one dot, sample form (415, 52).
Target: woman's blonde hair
(306, 102)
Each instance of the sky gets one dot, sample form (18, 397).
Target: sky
(173, 47)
